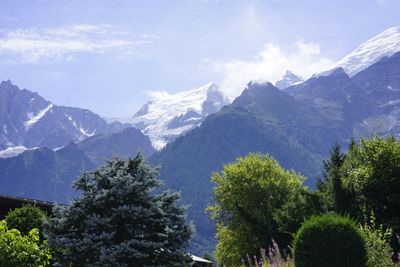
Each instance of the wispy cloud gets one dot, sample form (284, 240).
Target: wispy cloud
(157, 94)
(304, 59)
(32, 45)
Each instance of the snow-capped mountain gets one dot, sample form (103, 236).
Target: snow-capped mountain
(384, 44)
(166, 116)
(27, 120)
(288, 79)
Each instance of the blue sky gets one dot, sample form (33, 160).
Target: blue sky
(107, 55)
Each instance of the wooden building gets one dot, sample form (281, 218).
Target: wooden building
(8, 203)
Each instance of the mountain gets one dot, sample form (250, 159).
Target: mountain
(288, 79)
(123, 144)
(363, 105)
(46, 174)
(381, 83)
(297, 126)
(29, 120)
(384, 44)
(167, 116)
(263, 119)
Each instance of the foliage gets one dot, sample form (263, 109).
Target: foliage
(26, 218)
(333, 195)
(372, 171)
(378, 244)
(119, 219)
(255, 201)
(329, 241)
(18, 250)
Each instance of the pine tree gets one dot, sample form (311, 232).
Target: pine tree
(335, 194)
(120, 221)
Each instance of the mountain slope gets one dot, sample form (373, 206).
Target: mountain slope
(384, 44)
(263, 119)
(166, 116)
(381, 83)
(363, 105)
(28, 120)
(48, 175)
(287, 80)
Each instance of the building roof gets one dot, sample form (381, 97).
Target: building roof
(25, 200)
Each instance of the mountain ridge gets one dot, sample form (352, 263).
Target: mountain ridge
(29, 120)
(166, 116)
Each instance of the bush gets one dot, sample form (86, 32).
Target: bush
(329, 241)
(18, 250)
(378, 246)
(25, 219)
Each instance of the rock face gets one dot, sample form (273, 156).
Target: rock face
(363, 105)
(287, 80)
(29, 120)
(166, 116)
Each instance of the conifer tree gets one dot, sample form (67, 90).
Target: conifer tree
(335, 195)
(119, 220)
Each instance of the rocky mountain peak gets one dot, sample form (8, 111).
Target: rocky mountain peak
(288, 79)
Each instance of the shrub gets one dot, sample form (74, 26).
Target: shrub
(329, 241)
(25, 219)
(18, 250)
(378, 246)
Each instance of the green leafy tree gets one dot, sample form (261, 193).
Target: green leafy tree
(255, 201)
(378, 244)
(372, 171)
(18, 250)
(26, 218)
(120, 220)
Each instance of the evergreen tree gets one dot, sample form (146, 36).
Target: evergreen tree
(334, 194)
(120, 221)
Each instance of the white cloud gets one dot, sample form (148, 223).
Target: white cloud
(60, 44)
(158, 94)
(270, 64)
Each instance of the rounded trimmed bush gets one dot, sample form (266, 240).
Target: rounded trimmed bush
(329, 241)
(26, 218)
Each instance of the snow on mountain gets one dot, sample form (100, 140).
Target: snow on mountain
(35, 118)
(10, 152)
(288, 79)
(28, 120)
(384, 44)
(167, 116)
